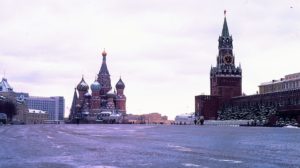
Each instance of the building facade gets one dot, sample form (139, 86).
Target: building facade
(5, 86)
(151, 118)
(36, 116)
(277, 108)
(155, 118)
(55, 106)
(12, 104)
(289, 82)
(103, 97)
(17, 104)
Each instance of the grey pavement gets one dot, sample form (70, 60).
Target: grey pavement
(99, 146)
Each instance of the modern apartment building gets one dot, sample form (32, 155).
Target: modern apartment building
(55, 106)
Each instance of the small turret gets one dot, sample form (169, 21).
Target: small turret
(120, 98)
(120, 84)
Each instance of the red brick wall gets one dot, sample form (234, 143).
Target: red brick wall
(121, 104)
(207, 106)
(226, 87)
(95, 102)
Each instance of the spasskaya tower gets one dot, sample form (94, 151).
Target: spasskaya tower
(226, 78)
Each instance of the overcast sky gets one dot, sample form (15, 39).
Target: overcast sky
(162, 49)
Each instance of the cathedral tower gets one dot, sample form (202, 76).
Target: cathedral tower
(104, 76)
(226, 78)
(82, 88)
(96, 99)
(120, 98)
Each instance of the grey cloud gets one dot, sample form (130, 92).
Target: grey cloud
(165, 46)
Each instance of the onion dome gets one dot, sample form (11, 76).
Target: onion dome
(104, 53)
(82, 86)
(110, 93)
(95, 86)
(120, 84)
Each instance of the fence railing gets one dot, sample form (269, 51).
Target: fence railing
(227, 122)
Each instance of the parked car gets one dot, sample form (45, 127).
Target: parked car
(3, 118)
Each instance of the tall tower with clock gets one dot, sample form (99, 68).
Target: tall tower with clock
(225, 77)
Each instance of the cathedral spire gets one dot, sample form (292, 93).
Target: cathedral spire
(104, 54)
(104, 76)
(225, 30)
(103, 69)
(73, 106)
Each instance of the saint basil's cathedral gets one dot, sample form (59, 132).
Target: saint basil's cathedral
(103, 97)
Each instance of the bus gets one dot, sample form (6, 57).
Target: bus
(185, 119)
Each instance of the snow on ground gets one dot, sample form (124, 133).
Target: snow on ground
(114, 146)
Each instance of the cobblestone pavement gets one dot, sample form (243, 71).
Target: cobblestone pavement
(99, 146)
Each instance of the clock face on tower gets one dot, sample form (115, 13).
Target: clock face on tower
(228, 59)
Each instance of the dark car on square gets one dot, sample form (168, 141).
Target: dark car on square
(3, 118)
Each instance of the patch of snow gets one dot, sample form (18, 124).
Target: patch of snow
(180, 148)
(191, 165)
(99, 166)
(290, 126)
(226, 160)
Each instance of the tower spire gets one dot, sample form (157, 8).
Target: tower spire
(225, 30)
(104, 76)
(104, 54)
(73, 106)
(103, 69)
